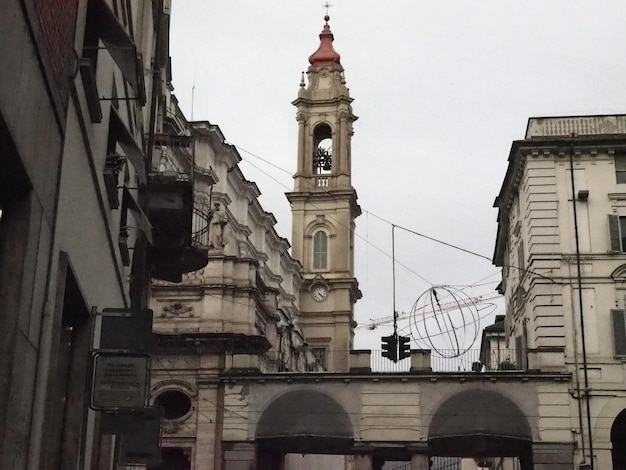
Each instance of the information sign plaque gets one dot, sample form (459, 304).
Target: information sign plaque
(120, 381)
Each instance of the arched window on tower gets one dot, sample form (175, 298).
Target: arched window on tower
(320, 250)
(323, 150)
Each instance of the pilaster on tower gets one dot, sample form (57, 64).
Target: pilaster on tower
(324, 206)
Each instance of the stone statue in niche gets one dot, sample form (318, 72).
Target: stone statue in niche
(218, 222)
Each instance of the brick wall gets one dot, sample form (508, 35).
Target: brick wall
(58, 24)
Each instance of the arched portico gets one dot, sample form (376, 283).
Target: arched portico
(302, 421)
(371, 419)
(478, 423)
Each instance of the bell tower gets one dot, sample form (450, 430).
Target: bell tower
(324, 207)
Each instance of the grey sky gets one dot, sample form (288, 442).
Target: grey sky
(441, 89)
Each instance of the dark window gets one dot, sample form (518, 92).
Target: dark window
(175, 403)
(619, 332)
(176, 458)
(617, 233)
(521, 259)
(620, 167)
(320, 356)
(320, 250)
(323, 151)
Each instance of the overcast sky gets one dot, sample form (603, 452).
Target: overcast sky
(441, 89)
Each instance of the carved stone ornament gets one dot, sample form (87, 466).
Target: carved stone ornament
(177, 310)
(170, 426)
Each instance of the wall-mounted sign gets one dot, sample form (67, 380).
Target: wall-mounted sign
(142, 446)
(125, 330)
(120, 381)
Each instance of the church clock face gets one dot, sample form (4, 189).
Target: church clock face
(319, 293)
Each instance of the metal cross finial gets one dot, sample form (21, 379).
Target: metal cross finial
(327, 6)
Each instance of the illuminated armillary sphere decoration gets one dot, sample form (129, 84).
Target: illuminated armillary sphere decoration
(445, 320)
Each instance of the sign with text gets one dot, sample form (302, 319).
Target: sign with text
(120, 381)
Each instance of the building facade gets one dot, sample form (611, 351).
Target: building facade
(561, 220)
(80, 113)
(255, 306)
(241, 310)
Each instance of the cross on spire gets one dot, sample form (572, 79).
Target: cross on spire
(327, 6)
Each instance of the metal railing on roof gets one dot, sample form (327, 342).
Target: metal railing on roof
(500, 360)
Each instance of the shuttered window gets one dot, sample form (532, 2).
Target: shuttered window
(619, 331)
(620, 168)
(617, 233)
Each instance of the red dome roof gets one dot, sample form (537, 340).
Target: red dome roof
(325, 54)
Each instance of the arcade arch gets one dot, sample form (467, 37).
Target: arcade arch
(481, 423)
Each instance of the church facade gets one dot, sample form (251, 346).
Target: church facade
(255, 306)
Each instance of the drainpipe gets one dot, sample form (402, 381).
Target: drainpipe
(156, 81)
(580, 308)
(139, 287)
(577, 393)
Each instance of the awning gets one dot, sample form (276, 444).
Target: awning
(132, 151)
(117, 41)
(128, 200)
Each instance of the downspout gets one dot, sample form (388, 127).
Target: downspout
(580, 307)
(140, 290)
(581, 425)
(156, 79)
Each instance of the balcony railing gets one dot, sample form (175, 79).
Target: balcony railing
(200, 227)
(181, 229)
(501, 360)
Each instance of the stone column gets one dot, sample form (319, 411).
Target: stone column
(342, 147)
(553, 456)
(301, 118)
(241, 456)
(420, 462)
(207, 441)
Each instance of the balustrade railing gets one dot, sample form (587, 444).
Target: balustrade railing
(473, 360)
(579, 125)
(322, 182)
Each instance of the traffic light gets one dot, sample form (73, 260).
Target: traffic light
(404, 348)
(390, 347)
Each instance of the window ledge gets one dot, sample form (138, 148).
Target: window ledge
(617, 196)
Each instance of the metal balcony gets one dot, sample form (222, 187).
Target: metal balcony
(180, 230)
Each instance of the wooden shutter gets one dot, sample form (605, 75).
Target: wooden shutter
(619, 331)
(614, 233)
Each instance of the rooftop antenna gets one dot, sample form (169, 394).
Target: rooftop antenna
(193, 90)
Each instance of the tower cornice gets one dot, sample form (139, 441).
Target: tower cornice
(318, 102)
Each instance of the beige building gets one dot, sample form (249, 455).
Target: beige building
(560, 242)
(239, 311)
(254, 306)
